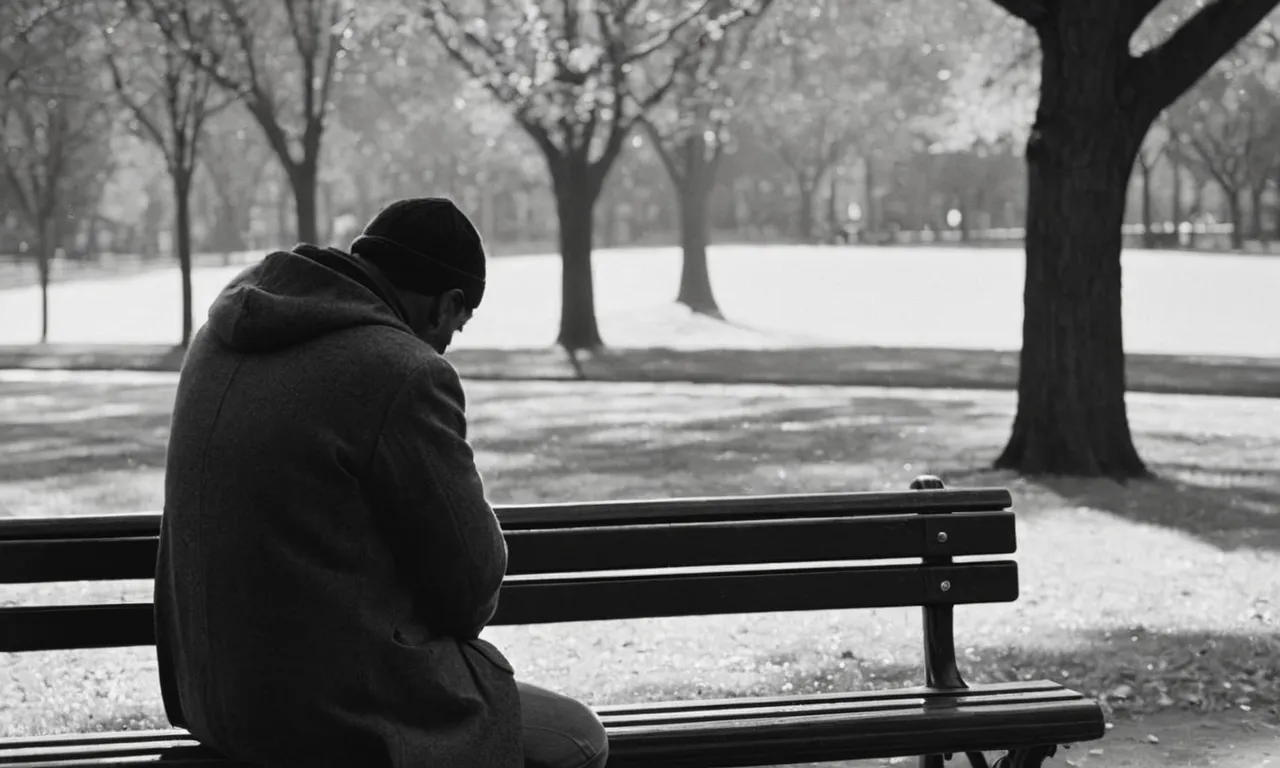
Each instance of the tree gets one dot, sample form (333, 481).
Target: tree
(689, 134)
(233, 157)
(168, 97)
(281, 60)
(576, 78)
(1153, 148)
(401, 92)
(1097, 100)
(841, 77)
(55, 128)
(1227, 122)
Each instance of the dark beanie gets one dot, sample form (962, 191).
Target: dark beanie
(425, 245)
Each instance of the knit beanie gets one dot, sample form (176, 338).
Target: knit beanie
(425, 245)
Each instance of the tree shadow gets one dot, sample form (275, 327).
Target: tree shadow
(1229, 508)
(82, 426)
(921, 367)
(706, 442)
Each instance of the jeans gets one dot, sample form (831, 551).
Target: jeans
(560, 732)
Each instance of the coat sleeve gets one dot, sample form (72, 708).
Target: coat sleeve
(425, 486)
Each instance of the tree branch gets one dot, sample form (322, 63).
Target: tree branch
(661, 39)
(1166, 71)
(660, 147)
(1139, 10)
(149, 126)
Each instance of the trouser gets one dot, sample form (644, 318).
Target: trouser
(560, 732)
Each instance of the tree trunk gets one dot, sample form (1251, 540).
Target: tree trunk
(182, 244)
(804, 211)
(693, 193)
(1148, 237)
(1071, 417)
(1236, 212)
(833, 216)
(303, 178)
(1256, 230)
(575, 206)
(1197, 208)
(282, 212)
(869, 221)
(92, 234)
(695, 278)
(46, 238)
(1175, 197)
(1275, 209)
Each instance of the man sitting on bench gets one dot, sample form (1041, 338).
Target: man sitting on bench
(327, 555)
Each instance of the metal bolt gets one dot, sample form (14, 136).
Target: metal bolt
(946, 585)
(942, 537)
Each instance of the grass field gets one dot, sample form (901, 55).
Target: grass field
(1160, 596)
(774, 296)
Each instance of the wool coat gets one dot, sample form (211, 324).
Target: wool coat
(327, 556)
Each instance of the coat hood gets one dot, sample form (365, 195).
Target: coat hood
(292, 297)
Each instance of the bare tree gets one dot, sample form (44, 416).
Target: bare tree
(576, 78)
(840, 75)
(168, 98)
(1227, 121)
(286, 88)
(1154, 148)
(234, 159)
(55, 125)
(689, 133)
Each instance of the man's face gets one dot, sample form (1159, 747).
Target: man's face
(435, 319)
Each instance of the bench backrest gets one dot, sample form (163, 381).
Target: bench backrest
(607, 560)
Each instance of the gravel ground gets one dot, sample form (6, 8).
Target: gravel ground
(1159, 596)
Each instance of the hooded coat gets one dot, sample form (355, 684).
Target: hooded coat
(327, 556)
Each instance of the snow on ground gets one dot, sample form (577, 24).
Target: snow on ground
(1178, 303)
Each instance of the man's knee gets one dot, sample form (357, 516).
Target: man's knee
(583, 726)
(560, 732)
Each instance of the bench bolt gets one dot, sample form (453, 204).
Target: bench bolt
(946, 585)
(942, 537)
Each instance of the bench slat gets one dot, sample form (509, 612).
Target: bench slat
(854, 736)
(884, 724)
(919, 692)
(760, 541)
(617, 712)
(739, 714)
(576, 514)
(540, 600)
(25, 561)
(558, 598)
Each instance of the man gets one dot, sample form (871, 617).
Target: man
(327, 556)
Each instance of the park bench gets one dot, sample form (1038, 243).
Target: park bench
(637, 559)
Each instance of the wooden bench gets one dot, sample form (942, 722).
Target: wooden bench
(734, 555)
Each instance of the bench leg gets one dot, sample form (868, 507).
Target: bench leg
(1031, 757)
(977, 759)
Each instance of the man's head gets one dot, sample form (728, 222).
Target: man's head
(432, 254)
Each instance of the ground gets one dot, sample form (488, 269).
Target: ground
(1159, 597)
(777, 296)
